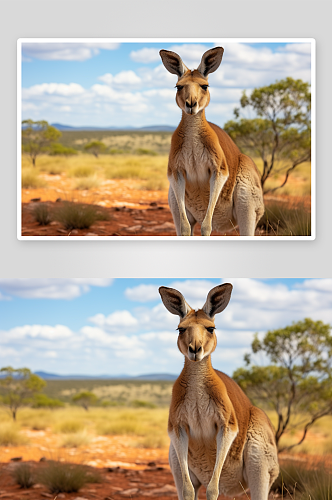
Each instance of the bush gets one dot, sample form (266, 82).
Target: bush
(42, 214)
(64, 478)
(69, 426)
(58, 149)
(23, 476)
(81, 171)
(43, 401)
(30, 180)
(76, 215)
(10, 435)
(137, 403)
(142, 151)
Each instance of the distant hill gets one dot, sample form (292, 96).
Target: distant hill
(149, 376)
(151, 128)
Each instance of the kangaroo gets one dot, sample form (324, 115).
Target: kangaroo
(218, 438)
(211, 181)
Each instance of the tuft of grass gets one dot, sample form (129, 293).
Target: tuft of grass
(42, 214)
(10, 435)
(82, 171)
(31, 180)
(75, 440)
(60, 477)
(302, 483)
(286, 221)
(125, 172)
(69, 426)
(76, 215)
(23, 475)
(86, 183)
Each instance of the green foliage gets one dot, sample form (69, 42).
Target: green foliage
(57, 149)
(299, 379)
(138, 403)
(144, 151)
(19, 386)
(76, 215)
(64, 478)
(281, 130)
(43, 401)
(95, 148)
(85, 399)
(23, 475)
(42, 214)
(37, 138)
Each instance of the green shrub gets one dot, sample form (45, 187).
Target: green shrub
(143, 151)
(23, 475)
(43, 401)
(42, 214)
(137, 403)
(76, 215)
(63, 478)
(58, 149)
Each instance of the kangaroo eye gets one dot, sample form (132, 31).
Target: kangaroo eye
(204, 87)
(181, 330)
(179, 87)
(210, 329)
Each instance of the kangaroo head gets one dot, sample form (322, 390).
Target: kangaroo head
(197, 338)
(192, 86)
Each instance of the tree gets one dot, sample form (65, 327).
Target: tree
(18, 387)
(85, 399)
(281, 132)
(43, 401)
(95, 147)
(37, 138)
(297, 384)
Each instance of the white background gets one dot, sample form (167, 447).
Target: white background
(157, 18)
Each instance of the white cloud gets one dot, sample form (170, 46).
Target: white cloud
(58, 89)
(115, 321)
(51, 288)
(142, 293)
(146, 55)
(65, 51)
(57, 332)
(122, 79)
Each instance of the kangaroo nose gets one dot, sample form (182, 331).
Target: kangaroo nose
(191, 105)
(194, 351)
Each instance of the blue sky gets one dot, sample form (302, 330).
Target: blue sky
(106, 326)
(121, 84)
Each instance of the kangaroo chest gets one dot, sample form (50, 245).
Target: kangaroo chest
(195, 159)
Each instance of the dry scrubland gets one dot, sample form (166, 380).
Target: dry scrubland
(127, 408)
(140, 156)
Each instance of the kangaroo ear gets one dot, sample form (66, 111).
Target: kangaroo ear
(174, 301)
(210, 61)
(173, 62)
(217, 299)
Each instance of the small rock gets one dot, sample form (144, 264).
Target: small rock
(61, 495)
(113, 469)
(58, 200)
(61, 231)
(153, 204)
(16, 459)
(46, 495)
(91, 234)
(167, 226)
(168, 489)
(133, 229)
(6, 495)
(129, 493)
(152, 464)
(42, 459)
(37, 486)
(34, 200)
(54, 223)
(80, 498)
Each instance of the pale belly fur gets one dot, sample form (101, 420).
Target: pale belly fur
(198, 166)
(203, 421)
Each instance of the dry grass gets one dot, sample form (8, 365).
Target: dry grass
(64, 478)
(299, 181)
(31, 179)
(23, 475)
(69, 426)
(86, 183)
(75, 440)
(10, 435)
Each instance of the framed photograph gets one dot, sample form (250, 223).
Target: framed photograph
(166, 139)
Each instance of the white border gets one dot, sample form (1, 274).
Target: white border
(312, 41)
